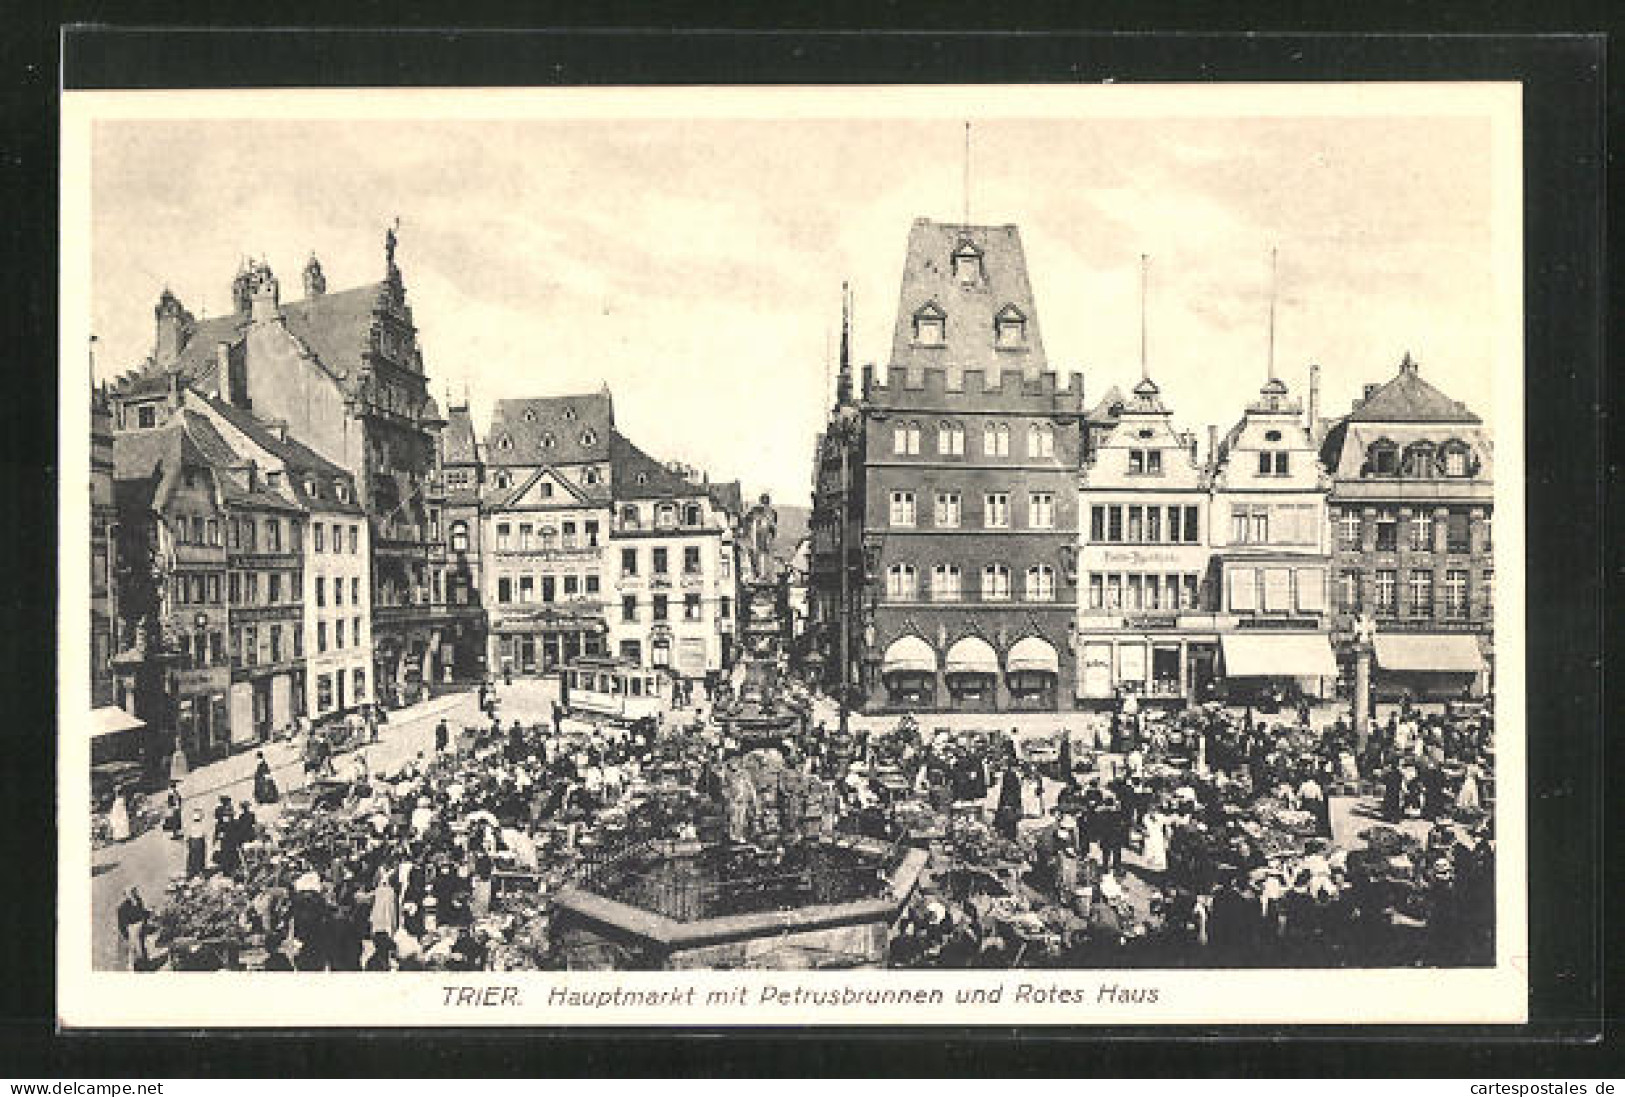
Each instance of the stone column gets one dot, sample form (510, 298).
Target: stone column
(1362, 693)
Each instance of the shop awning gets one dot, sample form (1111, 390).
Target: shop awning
(1263, 656)
(1447, 652)
(972, 655)
(909, 653)
(1033, 653)
(110, 720)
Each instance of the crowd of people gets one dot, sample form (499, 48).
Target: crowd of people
(1202, 838)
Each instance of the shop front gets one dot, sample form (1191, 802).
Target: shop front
(908, 671)
(1176, 668)
(1032, 672)
(1271, 668)
(202, 720)
(971, 672)
(1427, 666)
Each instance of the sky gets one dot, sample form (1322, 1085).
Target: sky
(695, 265)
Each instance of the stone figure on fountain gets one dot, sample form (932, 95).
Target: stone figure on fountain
(761, 526)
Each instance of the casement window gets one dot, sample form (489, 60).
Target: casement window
(1422, 531)
(629, 561)
(1387, 531)
(906, 439)
(1386, 587)
(1421, 593)
(902, 508)
(659, 560)
(1040, 583)
(996, 583)
(1273, 463)
(1455, 594)
(691, 559)
(950, 440)
(1348, 529)
(996, 440)
(947, 512)
(945, 583)
(901, 582)
(691, 607)
(504, 536)
(1040, 440)
(629, 608)
(996, 510)
(504, 590)
(1348, 591)
(1041, 510)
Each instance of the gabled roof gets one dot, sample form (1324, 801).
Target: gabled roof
(553, 430)
(574, 495)
(928, 277)
(458, 445)
(1409, 399)
(729, 496)
(336, 327)
(636, 475)
(1103, 410)
(302, 462)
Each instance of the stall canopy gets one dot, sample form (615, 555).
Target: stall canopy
(1033, 653)
(1299, 656)
(110, 720)
(1454, 653)
(909, 654)
(972, 655)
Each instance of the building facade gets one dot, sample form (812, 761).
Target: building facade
(103, 525)
(675, 574)
(1146, 620)
(1270, 540)
(462, 478)
(1412, 505)
(956, 478)
(344, 371)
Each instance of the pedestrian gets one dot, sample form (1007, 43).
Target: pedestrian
(197, 845)
(442, 736)
(265, 790)
(133, 916)
(173, 822)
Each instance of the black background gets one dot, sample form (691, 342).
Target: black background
(1569, 463)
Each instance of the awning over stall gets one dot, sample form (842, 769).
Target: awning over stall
(1033, 653)
(1447, 652)
(1275, 656)
(110, 720)
(909, 654)
(972, 655)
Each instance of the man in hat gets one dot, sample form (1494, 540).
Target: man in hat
(132, 928)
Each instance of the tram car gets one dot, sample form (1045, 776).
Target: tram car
(598, 687)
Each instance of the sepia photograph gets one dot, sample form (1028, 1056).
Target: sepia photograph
(819, 548)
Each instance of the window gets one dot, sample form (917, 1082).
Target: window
(996, 440)
(321, 591)
(296, 535)
(459, 537)
(1386, 591)
(1188, 592)
(572, 585)
(504, 590)
(321, 636)
(273, 535)
(355, 590)
(1272, 463)
(1382, 459)
(146, 416)
(1145, 462)
(212, 587)
(902, 508)
(666, 516)
(996, 510)
(234, 535)
(250, 535)
(569, 538)
(1041, 510)
(525, 531)
(1136, 525)
(1489, 531)
(1097, 588)
(1455, 460)
(1097, 523)
(967, 264)
(275, 583)
(338, 633)
(1458, 532)
(1114, 524)
(1489, 593)
(1419, 461)
(1387, 531)
(359, 679)
(947, 515)
(355, 631)
(629, 561)
(527, 589)
(1348, 591)
(355, 540)
(253, 595)
(945, 583)
(589, 438)
(1040, 583)
(504, 536)
(658, 563)
(996, 583)
(900, 582)
(338, 537)
(1009, 328)
(629, 517)
(235, 588)
(1455, 594)
(1040, 440)
(930, 326)
(691, 607)
(589, 530)
(906, 438)
(660, 604)
(1348, 528)
(1114, 592)
(1422, 531)
(725, 606)
(1153, 525)
(691, 560)
(950, 440)
(629, 608)
(1421, 593)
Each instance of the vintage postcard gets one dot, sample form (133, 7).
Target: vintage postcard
(720, 556)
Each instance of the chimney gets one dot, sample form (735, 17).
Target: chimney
(1212, 444)
(266, 304)
(174, 323)
(1190, 443)
(1314, 398)
(174, 398)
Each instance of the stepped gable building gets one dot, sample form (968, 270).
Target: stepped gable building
(961, 493)
(1412, 504)
(1146, 625)
(545, 513)
(673, 540)
(344, 370)
(333, 642)
(1271, 549)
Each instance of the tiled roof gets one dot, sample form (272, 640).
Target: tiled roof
(729, 495)
(296, 456)
(1409, 399)
(636, 475)
(1103, 410)
(553, 430)
(928, 279)
(457, 441)
(337, 327)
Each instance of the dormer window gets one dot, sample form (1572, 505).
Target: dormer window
(530, 415)
(1382, 459)
(643, 478)
(1272, 436)
(1145, 462)
(570, 414)
(589, 438)
(1456, 461)
(504, 481)
(1419, 460)
(342, 490)
(546, 440)
(930, 326)
(1010, 328)
(967, 260)
(310, 488)
(591, 476)
(505, 443)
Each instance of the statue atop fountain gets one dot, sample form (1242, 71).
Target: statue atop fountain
(761, 527)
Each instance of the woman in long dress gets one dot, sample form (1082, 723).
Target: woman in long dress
(118, 819)
(1155, 855)
(1467, 797)
(385, 909)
